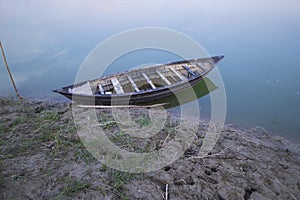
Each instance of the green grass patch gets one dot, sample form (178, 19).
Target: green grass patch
(103, 168)
(2, 129)
(119, 180)
(47, 136)
(74, 187)
(17, 121)
(1, 180)
(51, 116)
(119, 137)
(143, 121)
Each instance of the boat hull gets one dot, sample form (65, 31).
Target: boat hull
(113, 89)
(132, 99)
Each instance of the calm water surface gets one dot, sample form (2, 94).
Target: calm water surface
(256, 95)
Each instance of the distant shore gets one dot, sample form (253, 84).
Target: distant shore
(42, 157)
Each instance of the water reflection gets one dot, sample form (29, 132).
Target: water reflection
(201, 89)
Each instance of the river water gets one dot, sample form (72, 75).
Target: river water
(260, 92)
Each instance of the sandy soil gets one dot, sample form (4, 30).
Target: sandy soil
(42, 157)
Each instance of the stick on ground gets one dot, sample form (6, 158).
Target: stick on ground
(9, 73)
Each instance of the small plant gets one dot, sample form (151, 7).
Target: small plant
(143, 121)
(103, 168)
(1, 180)
(119, 180)
(108, 124)
(17, 122)
(74, 187)
(2, 129)
(47, 136)
(51, 116)
(119, 137)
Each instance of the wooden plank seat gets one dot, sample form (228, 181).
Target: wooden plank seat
(117, 86)
(101, 90)
(176, 73)
(149, 80)
(201, 68)
(163, 77)
(133, 84)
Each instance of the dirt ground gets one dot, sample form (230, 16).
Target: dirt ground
(42, 157)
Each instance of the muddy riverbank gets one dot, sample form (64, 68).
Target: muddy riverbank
(42, 157)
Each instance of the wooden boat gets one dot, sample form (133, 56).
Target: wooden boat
(142, 85)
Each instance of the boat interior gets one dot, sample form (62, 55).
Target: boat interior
(145, 79)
